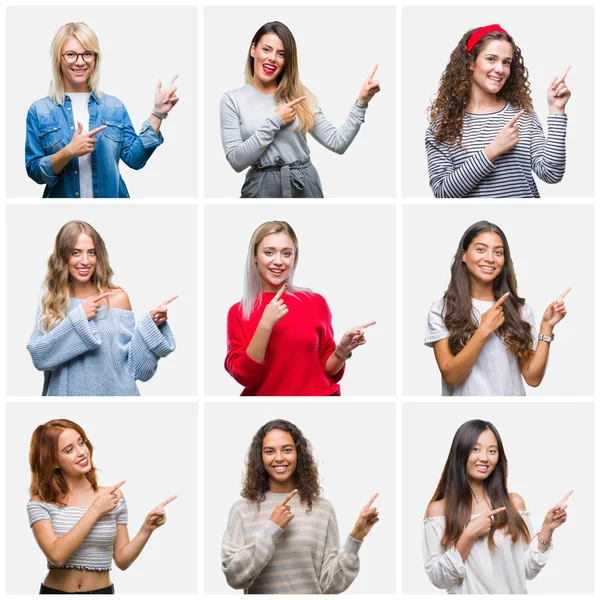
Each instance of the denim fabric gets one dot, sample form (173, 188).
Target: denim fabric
(51, 126)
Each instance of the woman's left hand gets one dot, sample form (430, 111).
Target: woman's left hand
(370, 87)
(558, 94)
(157, 517)
(368, 516)
(159, 315)
(556, 311)
(557, 515)
(164, 97)
(353, 338)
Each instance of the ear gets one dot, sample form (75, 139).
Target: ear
(252, 50)
(463, 255)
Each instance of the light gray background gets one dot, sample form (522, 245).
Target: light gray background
(550, 38)
(552, 248)
(140, 45)
(153, 446)
(347, 254)
(549, 447)
(153, 252)
(355, 448)
(338, 47)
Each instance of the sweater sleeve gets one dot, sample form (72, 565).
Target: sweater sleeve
(444, 568)
(239, 153)
(72, 337)
(445, 180)
(327, 343)
(242, 560)
(534, 559)
(338, 139)
(238, 364)
(148, 344)
(340, 565)
(549, 156)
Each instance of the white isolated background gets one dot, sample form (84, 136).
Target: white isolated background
(346, 254)
(345, 439)
(549, 448)
(550, 38)
(140, 45)
(152, 250)
(338, 47)
(552, 248)
(154, 448)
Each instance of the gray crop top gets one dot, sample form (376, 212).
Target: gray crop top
(96, 551)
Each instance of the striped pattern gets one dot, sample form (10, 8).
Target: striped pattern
(303, 558)
(101, 357)
(465, 171)
(95, 554)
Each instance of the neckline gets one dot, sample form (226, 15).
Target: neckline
(67, 506)
(487, 114)
(271, 95)
(83, 301)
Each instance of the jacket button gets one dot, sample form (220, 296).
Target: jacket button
(75, 172)
(77, 193)
(72, 127)
(69, 108)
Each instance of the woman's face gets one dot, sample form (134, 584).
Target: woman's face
(73, 454)
(77, 74)
(269, 58)
(82, 260)
(492, 66)
(483, 458)
(279, 459)
(484, 258)
(275, 260)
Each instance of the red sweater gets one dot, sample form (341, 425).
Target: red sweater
(298, 349)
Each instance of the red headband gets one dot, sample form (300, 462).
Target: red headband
(479, 33)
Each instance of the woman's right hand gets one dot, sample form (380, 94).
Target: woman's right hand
(493, 318)
(92, 306)
(106, 500)
(482, 524)
(287, 111)
(282, 514)
(275, 310)
(506, 140)
(82, 143)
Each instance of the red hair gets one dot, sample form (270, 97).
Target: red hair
(47, 481)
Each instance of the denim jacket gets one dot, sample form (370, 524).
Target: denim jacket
(51, 126)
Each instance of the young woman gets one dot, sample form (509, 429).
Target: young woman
(264, 124)
(477, 538)
(86, 340)
(282, 538)
(77, 135)
(279, 337)
(482, 333)
(79, 525)
(484, 138)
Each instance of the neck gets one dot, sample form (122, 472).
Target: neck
(76, 89)
(482, 101)
(478, 490)
(482, 291)
(77, 484)
(262, 87)
(282, 487)
(82, 290)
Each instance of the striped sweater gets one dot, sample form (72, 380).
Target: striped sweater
(464, 171)
(303, 558)
(96, 551)
(100, 357)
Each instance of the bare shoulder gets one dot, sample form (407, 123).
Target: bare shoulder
(436, 509)
(517, 501)
(120, 299)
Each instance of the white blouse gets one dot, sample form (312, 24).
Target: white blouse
(502, 571)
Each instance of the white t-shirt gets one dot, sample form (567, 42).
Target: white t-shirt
(81, 114)
(496, 371)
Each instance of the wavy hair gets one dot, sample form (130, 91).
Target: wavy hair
(454, 487)
(88, 39)
(454, 93)
(289, 86)
(459, 316)
(47, 481)
(306, 475)
(57, 285)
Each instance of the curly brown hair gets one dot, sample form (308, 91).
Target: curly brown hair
(306, 475)
(454, 94)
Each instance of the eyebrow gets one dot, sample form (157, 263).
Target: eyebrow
(496, 56)
(486, 246)
(273, 448)
(273, 248)
(492, 446)
(81, 250)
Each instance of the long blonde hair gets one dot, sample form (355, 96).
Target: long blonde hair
(56, 298)
(87, 38)
(289, 86)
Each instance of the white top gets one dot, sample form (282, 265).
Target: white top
(496, 371)
(503, 571)
(81, 114)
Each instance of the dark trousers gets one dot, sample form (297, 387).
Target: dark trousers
(105, 590)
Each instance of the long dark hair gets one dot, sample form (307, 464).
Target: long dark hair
(458, 309)
(306, 475)
(455, 489)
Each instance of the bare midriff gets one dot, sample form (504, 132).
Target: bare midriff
(75, 580)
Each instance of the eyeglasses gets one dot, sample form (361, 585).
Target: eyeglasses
(71, 57)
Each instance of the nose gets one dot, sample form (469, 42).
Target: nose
(80, 62)
(277, 259)
(85, 259)
(489, 256)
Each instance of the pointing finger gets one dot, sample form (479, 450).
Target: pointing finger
(565, 497)
(515, 118)
(116, 487)
(280, 292)
(95, 131)
(288, 497)
(365, 325)
(169, 300)
(294, 102)
(563, 294)
(165, 502)
(563, 76)
(368, 504)
(501, 300)
(101, 296)
(494, 512)
(174, 78)
(372, 74)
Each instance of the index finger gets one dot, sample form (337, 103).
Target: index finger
(368, 504)
(565, 497)
(515, 118)
(174, 78)
(563, 294)
(563, 76)
(280, 292)
(494, 512)
(169, 300)
(101, 296)
(372, 74)
(116, 487)
(365, 325)
(165, 502)
(288, 497)
(294, 102)
(501, 300)
(95, 131)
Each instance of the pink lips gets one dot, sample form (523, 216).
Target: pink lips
(269, 70)
(84, 462)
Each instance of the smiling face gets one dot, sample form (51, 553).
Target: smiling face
(279, 458)
(275, 257)
(484, 258)
(73, 455)
(76, 75)
(82, 260)
(492, 66)
(483, 458)
(269, 58)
